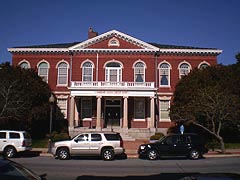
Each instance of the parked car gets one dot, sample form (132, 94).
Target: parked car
(10, 170)
(188, 145)
(12, 142)
(103, 144)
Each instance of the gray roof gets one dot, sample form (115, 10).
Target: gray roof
(67, 45)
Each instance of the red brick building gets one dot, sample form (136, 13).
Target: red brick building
(114, 81)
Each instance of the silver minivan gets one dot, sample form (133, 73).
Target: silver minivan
(12, 142)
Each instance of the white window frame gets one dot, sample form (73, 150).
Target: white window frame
(62, 74)
(109, 73)
(164, 109)
(183, 71)
(139, 69)
(87, 67)
(163, 70)
(63, 106)
(26, 63)
(139, 109)
(84, 106)
(44, 76)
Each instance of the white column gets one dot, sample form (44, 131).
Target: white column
(76, 119)
(72, 110)
(125, 112)
(152, 113)
(98, 123)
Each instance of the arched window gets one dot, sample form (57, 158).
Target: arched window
(139, 72)
(184, 69)
(24, 65)
(203, 66)
(87, 71)
(113, 72)
(43, 71)
(62, 73)
(164, 73)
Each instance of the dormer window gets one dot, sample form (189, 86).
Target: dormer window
(113, 42)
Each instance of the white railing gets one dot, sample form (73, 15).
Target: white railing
(101, 84)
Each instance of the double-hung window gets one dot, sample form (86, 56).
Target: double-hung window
(62, 74)
(43, 71)
(87, 72)
(164, 72)
(139, 72)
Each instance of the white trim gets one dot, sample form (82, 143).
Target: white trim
(113, 33)
(137, 61)
(12, 50)
(113, 60)
(57, 66)
(211, 51)
(25, 61)
(185, 62)
(62, 62)
(169, 73)
(203, 62)
(87, 60)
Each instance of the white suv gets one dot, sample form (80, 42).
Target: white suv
(12, 142)
(104, 144)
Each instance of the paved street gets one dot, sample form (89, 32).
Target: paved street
(83, 168)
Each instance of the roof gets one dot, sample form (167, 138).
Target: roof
(144, 47)
(61, 45)
(68, 45)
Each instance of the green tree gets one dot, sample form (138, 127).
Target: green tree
(208, 98)
(24, 100)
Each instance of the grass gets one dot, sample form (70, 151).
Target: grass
(232, 145)
(40, 143)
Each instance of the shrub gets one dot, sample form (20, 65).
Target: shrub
(156, 136)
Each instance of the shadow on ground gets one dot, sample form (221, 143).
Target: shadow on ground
(169, 176)
(29, 154)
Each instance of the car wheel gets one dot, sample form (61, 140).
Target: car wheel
(152, 154)
(107, 154)
(194, 154)
(63, 154)
(10, 152)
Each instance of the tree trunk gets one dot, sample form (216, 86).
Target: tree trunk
(222, 144)
(214, 134)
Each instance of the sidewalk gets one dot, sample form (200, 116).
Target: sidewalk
(131, 148)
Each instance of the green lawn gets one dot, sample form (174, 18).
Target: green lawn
(40, 143)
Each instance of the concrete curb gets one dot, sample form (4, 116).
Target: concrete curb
(132, 154)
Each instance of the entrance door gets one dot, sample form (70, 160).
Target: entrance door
(112, 116)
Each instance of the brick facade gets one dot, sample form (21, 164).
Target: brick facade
(114, 98)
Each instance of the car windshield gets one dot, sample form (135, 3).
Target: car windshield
(14, 171)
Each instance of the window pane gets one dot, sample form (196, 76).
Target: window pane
(62, 104)
(87, 71)
(86, 105)
(164, 74)
(139, 108)
(139, 72)
(164, 109)
(43, 71)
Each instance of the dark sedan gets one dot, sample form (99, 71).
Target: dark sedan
(10, 170)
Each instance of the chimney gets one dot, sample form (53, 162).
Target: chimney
(91, 33)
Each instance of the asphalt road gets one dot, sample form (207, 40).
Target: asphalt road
(97, 169)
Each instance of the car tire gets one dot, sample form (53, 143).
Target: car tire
(152, 154)
(10, 152)
(194, 154)
(107, 154)
(63, 154)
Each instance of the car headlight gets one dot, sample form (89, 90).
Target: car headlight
(142, 147)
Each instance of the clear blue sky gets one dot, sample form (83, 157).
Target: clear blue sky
(200, 23)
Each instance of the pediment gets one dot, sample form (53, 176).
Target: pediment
(113, 40)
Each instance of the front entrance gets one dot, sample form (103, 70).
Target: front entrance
(112, 113)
